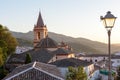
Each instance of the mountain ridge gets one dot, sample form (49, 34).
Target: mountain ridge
(78, 44)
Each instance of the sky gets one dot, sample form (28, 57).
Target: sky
(75, 18)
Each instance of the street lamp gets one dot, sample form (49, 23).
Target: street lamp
(109, 21)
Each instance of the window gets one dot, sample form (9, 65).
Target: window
(90, 60)
(56, 57)
(95, 60)
(38, 35)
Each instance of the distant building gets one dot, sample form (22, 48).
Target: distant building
(35, 71)
(117, 53)
(115, 62)
(63, 54)
(94, 57)
(22, 49)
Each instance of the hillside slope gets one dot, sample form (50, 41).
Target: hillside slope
(78, 44)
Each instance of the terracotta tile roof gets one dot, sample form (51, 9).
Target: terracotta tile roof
(71, 62)
(48, 69)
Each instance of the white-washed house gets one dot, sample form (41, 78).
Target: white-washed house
(93, 57)
(63, 65)
(115, 62)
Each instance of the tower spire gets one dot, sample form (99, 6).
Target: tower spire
(40, 30)
(40, 22)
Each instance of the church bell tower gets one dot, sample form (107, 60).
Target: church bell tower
(40, 30)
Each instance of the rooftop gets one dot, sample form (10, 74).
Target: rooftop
(40, 21)
(48, 69)
(62, 51)
(71, 62)
(47, 43)
(41, 55)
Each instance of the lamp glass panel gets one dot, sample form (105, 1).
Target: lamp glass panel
(109, 22)
(104, 22)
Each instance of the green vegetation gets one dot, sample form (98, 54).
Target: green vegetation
(78, 44)
(7, 46)
(1, 57)
(3, 72)
(77, 47)
(76, 74)
(7, 40)
(28, 58)
(118, 73)
(23, 42)
(3, 52)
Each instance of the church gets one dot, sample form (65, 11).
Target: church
(49, 61)
(45, 50)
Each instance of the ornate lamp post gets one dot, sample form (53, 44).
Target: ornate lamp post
(109, 21)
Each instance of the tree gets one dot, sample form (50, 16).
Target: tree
(76, 74)
(7, 46)
(3, 72)
(9, 40)
(1, 57)
(4, 49)
(118, 73)
(28, 58)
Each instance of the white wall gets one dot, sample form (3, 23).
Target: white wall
(63, 71)
(59, 57)
(116, 62)
(95, 75)
(93, 58)
(22, 49)
(118, 54)
(87, 69)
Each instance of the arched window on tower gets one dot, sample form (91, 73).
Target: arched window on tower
(45, 33)
(38, 35)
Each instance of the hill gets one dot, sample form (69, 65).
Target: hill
(23, 42)
(78, 44)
